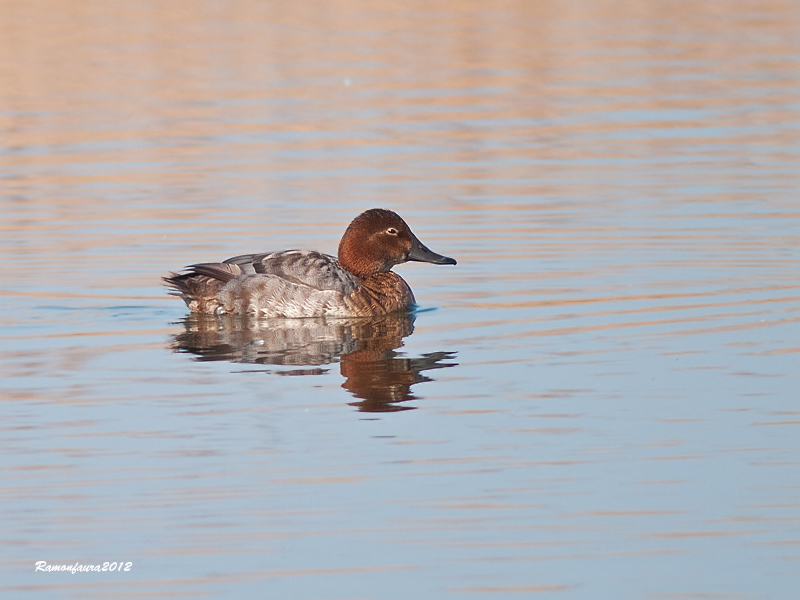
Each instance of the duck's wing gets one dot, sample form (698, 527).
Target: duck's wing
(301, 267)
(294, 283)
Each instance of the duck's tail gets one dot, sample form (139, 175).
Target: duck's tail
(199, 285)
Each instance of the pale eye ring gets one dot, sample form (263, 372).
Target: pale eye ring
(391, 231)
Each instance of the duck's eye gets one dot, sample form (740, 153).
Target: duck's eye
(391, 231)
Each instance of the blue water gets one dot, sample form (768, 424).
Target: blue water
(598, 401)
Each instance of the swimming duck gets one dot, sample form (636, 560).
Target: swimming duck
(306, 283)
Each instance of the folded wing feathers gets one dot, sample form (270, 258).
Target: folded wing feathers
(303, 267)
(292, 281)
(223, 272)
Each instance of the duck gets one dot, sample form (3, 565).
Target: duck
(358, 282)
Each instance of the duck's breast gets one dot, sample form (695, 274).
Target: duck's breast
(380, 294)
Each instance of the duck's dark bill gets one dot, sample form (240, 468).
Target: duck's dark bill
(420, 253)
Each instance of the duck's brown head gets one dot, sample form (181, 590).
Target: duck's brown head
(377, 240)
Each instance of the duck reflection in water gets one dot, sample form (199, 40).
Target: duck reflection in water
(365, 348)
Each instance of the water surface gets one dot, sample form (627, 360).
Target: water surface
(599, 401)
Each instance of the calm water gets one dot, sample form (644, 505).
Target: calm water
(599, 401)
